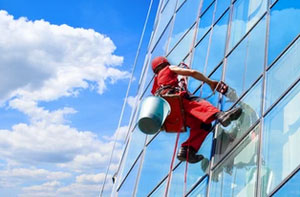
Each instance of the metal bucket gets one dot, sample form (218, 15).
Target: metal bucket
(153, 112)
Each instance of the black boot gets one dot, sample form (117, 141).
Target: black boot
(225, 118)
(188, 153)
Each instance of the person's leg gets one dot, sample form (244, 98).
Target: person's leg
(198, 133)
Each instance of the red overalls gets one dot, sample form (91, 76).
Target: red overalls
(196, 112)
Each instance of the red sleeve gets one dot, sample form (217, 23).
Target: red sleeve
(155, 86)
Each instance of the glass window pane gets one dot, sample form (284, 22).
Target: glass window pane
(177, 182)
(217, 45)
(291, 188)
(281, 139)
(135, 147)
(128, 186)
(222, 5)
(236, 176)
(156, 163)
(185, 17)
(245, 14)
(197, 171)
(227, 137)
(283, 73)
(200, 53)
(182, 49)
(284, 26)
(160, 191)
(246, 62)
(205, 5)
(201, 189)
(205, 22)
(164, 19)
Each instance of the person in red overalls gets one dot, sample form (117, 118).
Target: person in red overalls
(198, 113)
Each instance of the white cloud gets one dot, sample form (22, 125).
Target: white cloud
(131, 101)
(42, 61)
(90, 178)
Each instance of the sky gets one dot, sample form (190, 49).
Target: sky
(65, 67)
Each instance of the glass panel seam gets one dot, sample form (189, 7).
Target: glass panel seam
(220, 17)
(263, 96)
(196, 184)
(282, 96)
(273, 4)
(181, 38)
(249, 31)
(140, 170)
(235, 145)
(283, 52)
(127, 174)
(162, 34)
(296, 170)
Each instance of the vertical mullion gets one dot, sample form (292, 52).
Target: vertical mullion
(263, 97)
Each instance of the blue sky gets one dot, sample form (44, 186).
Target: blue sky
(65, 69)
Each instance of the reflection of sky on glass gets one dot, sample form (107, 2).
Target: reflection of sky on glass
(284, 26)
(217, 46)
(156, 162)
(160, 191)
(177, 182)
(291, 188)
(135, 147)
(198, 63)
(205, 22)
(200, 191)
(237, 175)
(222, 5)
(246, 62)
(205, 5)
(283, 73)
(281, 137)
(182, 49)
(184, 19)
(128, 186)
(245, 14)
(164, 19)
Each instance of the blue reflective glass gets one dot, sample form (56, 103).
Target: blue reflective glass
(196, 171)
(160, 191)
(177, 182)
(217, 45)
(200, 53)
(284, 26)
(164, 19)
(283, 73)
(200, 190)
(205, 22)
(227, 137)
(156, 163)
(245, 64)
(245, 14)
(185, 18)
(136, 144)
(237, 175)
(291, 188)
(205, 5)
(182, 49)
(127, 187)
(281, 140)
(221, 6)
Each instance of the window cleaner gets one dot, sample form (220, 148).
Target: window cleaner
(196, 113)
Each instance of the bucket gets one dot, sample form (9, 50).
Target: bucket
(153, 112)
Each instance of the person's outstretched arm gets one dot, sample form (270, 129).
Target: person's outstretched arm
(195, 74)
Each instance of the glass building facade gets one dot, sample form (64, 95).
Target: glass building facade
(254, 47)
